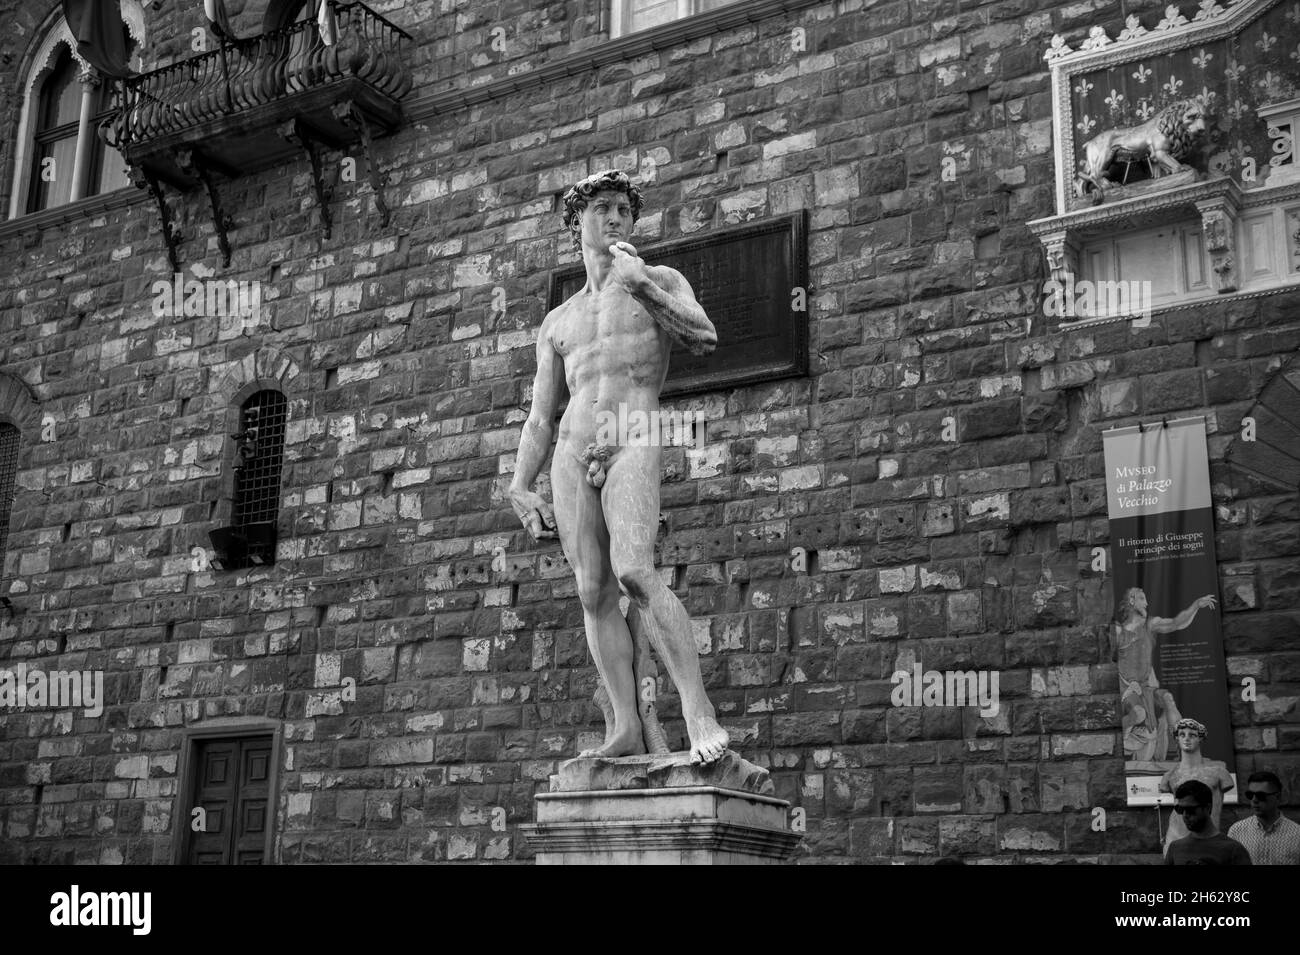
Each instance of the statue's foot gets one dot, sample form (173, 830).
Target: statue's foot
(621, 744)
(708, 739)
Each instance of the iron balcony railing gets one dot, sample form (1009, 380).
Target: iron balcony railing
(242, 75)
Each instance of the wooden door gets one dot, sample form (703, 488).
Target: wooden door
(232, 784)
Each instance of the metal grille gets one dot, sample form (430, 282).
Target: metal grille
(259, 458)
(9, 439)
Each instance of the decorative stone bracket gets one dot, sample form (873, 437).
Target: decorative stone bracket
(1062, 250)
(142, 178)
(298, 133)
(314, 144)
(352, 117)
(193, 163)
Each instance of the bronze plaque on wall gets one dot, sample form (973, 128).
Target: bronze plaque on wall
(744, 277)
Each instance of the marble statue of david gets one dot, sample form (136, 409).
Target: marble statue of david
(609, 343)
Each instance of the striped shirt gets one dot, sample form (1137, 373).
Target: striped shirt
(1278, 844)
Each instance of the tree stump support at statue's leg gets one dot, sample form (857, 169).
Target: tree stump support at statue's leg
(643, 668)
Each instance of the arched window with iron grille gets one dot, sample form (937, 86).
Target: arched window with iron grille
(9, 441)
(258, 463)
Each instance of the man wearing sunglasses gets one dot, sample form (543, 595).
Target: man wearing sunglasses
(1270, 837)
(1203, 844)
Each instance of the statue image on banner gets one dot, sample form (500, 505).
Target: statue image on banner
(609, 343)
(1149, 713)
(1193, 765)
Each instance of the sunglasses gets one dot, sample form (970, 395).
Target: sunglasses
(1259, 794)
(1182, 809)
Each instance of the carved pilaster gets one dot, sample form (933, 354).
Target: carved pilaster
(1219, 227)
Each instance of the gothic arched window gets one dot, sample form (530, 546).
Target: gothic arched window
(60, 156)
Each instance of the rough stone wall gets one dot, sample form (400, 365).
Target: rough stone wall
(407, 393)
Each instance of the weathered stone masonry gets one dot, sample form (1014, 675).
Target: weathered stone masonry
(407, 391)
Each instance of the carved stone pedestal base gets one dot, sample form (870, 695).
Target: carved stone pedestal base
(1115, 192)
(660, 810)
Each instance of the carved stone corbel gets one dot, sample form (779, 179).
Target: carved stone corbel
(141, 178)
(347, 113)
(296, 132)
(1062, 251)
(1219, 227)
(192, 164)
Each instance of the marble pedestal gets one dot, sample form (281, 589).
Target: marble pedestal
(660, 810)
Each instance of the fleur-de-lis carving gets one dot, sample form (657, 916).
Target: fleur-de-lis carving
(1142, 74)
(1173, 18)
(1233, 71)
(1172, 86)
(1237, 110)
(1144, 109)
(1085, 124)
(1206, 98)
(1096, 39)
(1115, 101)
(1220, 163)
(1265, 42)
(1209, 10)
(1133, 29)
(1293, 13)
(1083, 88)
(1058, 49)
(1202, 59)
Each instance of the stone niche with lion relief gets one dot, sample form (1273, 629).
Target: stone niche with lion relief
(1175, 155)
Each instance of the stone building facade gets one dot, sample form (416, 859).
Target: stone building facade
(414, 665)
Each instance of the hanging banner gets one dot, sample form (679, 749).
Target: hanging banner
(1167, 636)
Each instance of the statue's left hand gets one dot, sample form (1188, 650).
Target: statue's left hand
(629, 268)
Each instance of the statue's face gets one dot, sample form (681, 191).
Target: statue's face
(1189, 741)
(606, 220)
(1195, 120)
(1139, 603)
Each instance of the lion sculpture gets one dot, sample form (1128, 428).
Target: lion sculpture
(1166, 138)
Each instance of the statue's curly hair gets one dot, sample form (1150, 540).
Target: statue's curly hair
(578, 195)
(1125, 608)
(1194, 725)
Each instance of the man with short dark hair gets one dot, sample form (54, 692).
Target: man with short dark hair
(1203, 844)
(1270, 837)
